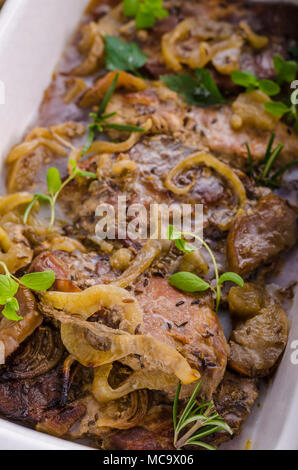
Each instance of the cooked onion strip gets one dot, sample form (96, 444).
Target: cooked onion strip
(149, 252)
(75, 86)
(169, 41)
(42, 136)
(257, 41)
(125, 80)
(12, 201)
(105, 147)
(141, 379)
(114, 345)
(212, 162)
(16, 252)
(108, 344)
(28, 147)
(91, 300)
(91, 43)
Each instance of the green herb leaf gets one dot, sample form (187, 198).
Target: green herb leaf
(173, 233)
(149, 11)
(286, 70)
(54, 181)
(250, 82)
(271, 160)
(86, 174)
(121, 55)
(8, 288)
(269, 87)
(200, 90)
(146, 12)
(183, 245)
(130, 7)
(232, 277)
(78, 172)
(108, 96)
(176, 235)
(38, 281)
(276, 108)
(10, 310)
(188, 282)
(89, 141)
(245, 79)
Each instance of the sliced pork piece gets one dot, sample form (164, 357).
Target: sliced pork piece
(58, 422)
(26, 400)
(233, 401)
(156, 433)
(189, 325)
(260, 234)
(211, 127)
(261, 335)
(74, 271)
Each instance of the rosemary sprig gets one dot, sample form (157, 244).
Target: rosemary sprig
(189, 282)
(100, 119)
(266, 177)
(197, 421)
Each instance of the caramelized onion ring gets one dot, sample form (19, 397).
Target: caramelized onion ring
(93, 44)
(119, 344)
(141, 379)
(16, 252)
(169, 41)
(257, 41)
(46, 137)
(206, 159)
(11, 201)
(41, 354)
(95, 94)
(91, 300)
(109, 345)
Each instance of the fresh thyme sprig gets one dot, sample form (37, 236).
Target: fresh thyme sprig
(267, 176)
(100, 119)
(9, 285)
(189, 282)
(197, 421)
(55, 186)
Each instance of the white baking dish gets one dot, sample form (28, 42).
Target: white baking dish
(33, 34)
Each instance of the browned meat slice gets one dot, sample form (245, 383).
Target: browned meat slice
(189, 325)
(212, 126)
(155, 434)
(74, 271)
(27, 400)
(12, 334)
(136, 439)
(260, 234)
(261, 335)
(233, 400)
(58, 422)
